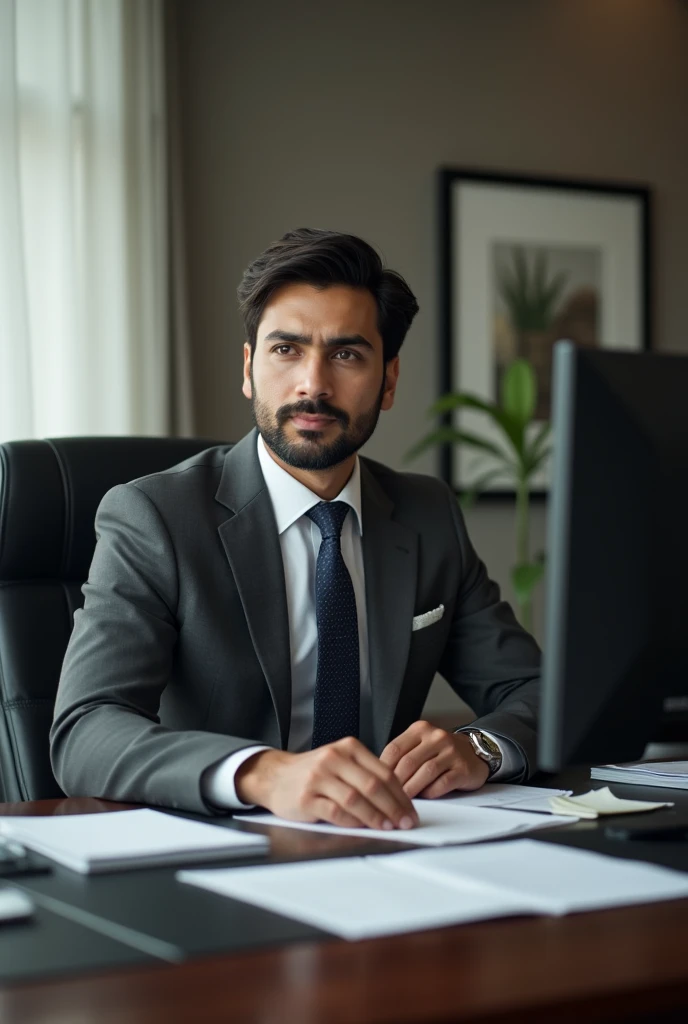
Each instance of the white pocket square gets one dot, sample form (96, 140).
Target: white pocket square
(427, 618)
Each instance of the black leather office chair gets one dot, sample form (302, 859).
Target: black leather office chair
(49, 493)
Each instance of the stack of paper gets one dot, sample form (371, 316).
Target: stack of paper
(600, 801)
(442, 822)
(673, 774)
(368, 896)
(128, 839)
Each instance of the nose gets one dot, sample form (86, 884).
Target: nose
(314, 381)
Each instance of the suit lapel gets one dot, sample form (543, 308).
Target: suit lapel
(390, 556)
(252, 547)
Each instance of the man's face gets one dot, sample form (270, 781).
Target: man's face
(317, 380)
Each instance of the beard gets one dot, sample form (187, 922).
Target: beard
(310, 452)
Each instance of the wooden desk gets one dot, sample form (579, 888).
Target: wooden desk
(629, 964)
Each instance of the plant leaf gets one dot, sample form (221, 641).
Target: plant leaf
(539, 460)
(521, 270)
(535, 453)
(539, 274)
(539, 438)
(525, 577)
(471, 493)
(448, 435)
(463, 399)
(519, 392)
(553, 290)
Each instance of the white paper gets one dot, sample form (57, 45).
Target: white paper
(601, 801)
(552, 878)
(665, 769)
(14, 905)
(505, 794)
(364, 897)
(537, 805)
(119, 839)
(353, 898)
(442, 822)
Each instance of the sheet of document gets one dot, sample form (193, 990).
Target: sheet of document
(353, 898)
(537, 805)
(502, 794)
(550, 877)
(442, 822)
(505, 794)
(362, 897)
(121, 839)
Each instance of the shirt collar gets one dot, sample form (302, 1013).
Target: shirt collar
(292, 499)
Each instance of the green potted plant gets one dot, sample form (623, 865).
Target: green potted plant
(530, 295)
(522, 449)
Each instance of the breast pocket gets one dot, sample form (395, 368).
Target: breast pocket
(427, 644)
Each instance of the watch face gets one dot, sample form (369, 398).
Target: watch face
(489, 745)
(487, 749)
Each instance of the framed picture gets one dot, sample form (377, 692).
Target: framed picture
(524, 262)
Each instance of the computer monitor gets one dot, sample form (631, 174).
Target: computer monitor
(616, 617)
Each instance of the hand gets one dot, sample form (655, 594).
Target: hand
(429, 762)
(341, 783)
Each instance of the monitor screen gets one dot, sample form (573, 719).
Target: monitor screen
(616, 617)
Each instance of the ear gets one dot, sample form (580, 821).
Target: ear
(246, 383)
(391, 378)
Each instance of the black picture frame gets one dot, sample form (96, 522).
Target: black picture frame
(451, 183)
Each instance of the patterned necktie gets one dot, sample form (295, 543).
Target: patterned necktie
(337, 685)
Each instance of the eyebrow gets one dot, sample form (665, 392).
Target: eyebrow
(307, 339)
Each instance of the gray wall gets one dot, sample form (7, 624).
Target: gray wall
(329, 114)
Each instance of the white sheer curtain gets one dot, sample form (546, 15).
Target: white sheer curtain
(84, 296)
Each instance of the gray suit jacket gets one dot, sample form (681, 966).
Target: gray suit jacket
(180, 655)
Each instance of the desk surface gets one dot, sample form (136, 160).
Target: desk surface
(629, 964)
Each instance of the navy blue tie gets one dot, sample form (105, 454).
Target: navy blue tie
(337, 685)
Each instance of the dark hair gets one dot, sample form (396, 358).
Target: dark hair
(325, 258)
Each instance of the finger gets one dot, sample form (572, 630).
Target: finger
(436, 743)
(363, 757)
(459, 775)
(401, 745)
(447, 782)
(353, 804)
(355, 765)
(428, 772)
(385, 794)
(324, 809)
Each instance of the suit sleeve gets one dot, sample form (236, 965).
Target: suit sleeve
(106, 738)
(490, 660)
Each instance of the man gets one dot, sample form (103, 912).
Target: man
(262, 623)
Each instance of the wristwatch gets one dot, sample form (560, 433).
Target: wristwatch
(486, 749)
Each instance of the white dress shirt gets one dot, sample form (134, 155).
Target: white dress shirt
(300, 543)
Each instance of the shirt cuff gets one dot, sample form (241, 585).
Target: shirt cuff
(513, 764)
(217, 783)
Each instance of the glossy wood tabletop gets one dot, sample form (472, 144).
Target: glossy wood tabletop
(629, 964)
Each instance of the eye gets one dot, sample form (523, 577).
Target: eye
(346, 355)
(283, 349)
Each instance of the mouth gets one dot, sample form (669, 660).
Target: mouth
(303, 421)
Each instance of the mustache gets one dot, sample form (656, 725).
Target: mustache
(318, 408)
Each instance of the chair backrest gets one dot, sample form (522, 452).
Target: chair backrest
(49, 493)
